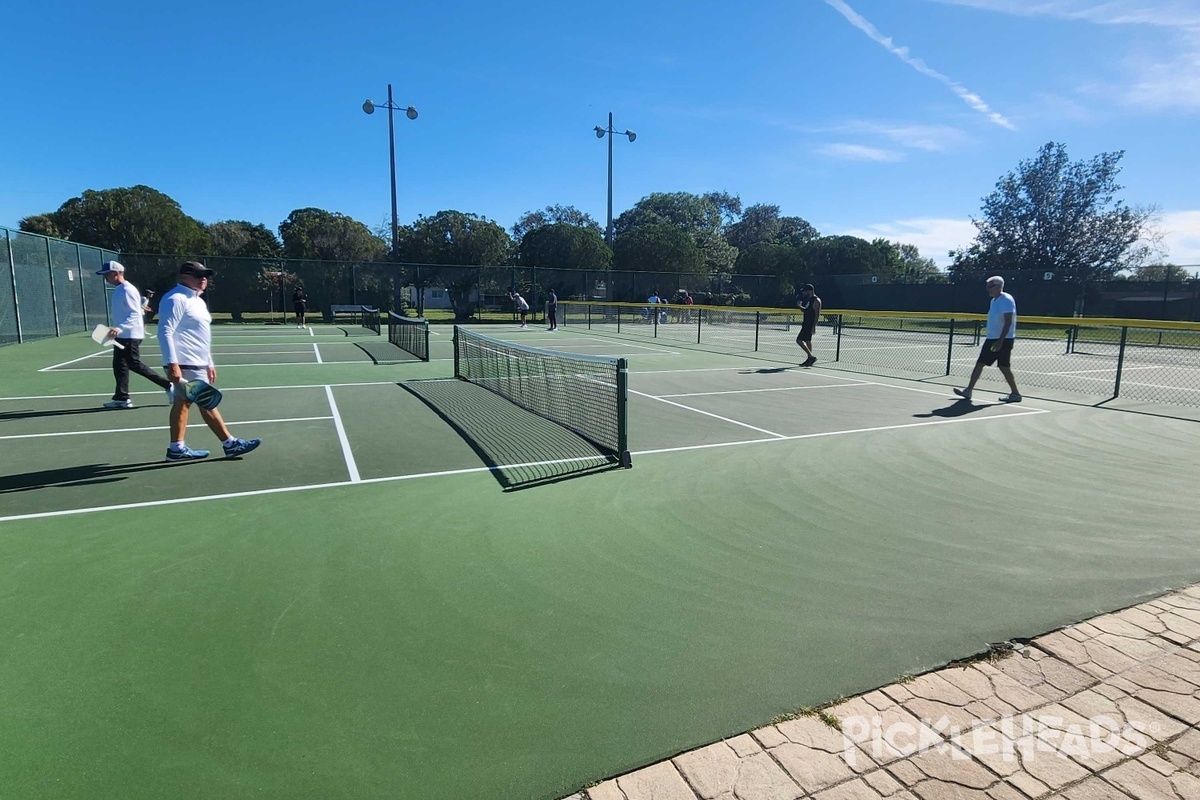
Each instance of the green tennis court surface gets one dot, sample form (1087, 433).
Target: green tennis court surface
(415, 589)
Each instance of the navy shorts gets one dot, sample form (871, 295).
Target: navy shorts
(1001, 357)
(806, 333)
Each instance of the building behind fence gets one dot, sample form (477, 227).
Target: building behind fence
(48, 288)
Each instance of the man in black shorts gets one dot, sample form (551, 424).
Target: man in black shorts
(1001, 331)
(811, 305)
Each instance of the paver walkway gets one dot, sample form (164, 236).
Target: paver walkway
(1106, 709)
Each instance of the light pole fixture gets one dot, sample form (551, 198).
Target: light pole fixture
(600, 134)
(369, 107)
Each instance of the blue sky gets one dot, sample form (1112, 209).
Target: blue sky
(870, 117)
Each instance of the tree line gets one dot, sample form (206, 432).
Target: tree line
(1049, 214)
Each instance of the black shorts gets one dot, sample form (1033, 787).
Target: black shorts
(806, 333)
(1001, 357)
(301, 308)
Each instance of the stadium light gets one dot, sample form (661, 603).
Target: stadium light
(600, 133)
(369, 107)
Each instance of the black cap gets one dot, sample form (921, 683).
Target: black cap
(808, 287)
(196, 269)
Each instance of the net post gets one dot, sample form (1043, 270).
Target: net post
(654, 312)
(618, 308)
(699, 316)
(426, 341)
(837, 353)
(457, 371)
(757, 317)
(622, 413)
(1120, 361)
(950, 346)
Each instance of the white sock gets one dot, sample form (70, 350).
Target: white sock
(230, 440)
(176, 445)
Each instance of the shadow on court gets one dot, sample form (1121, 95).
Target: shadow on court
(959, 408)
(522, 449)
(31, 413)
(83, 475)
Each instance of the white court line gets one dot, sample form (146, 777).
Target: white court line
(317, 352)
(269, 364)
(72, 361)
(473, 470)
(800, 436)
(709, 414)
(223, 390)
(156, 428)
(347, 453)
(311, 334)
(775, 389)
(1105, 369)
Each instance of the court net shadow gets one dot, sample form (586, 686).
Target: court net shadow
(521, 449)
(384, 352)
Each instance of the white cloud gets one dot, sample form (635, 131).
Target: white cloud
(1159, 75)
(1181, 237)
(967, 96)
(934, 237)
(858, 152)
(1165, 13)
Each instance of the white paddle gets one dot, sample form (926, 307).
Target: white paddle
(100, 336)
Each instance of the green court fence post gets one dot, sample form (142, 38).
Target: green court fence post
(837, 353)
(757, 315)
(950, 346)
(1120, 361)
(622, 413)
(82, 293)
(699, 315)
(12, 276)
(53, 288)
(654, 313)
(589, 316)
(618, 308)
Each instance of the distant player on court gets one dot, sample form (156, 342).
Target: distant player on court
(811, 305)
(1001, 331)
(522, 306)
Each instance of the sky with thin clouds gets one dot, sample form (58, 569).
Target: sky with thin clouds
(887, 118)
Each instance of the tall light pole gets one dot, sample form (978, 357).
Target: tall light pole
(600, 134)
(410, 112)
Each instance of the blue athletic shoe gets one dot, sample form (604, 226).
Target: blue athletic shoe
(239, 447)
(186, 454)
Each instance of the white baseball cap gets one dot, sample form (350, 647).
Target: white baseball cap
(109, 267)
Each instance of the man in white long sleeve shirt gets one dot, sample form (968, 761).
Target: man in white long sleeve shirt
(128, 329)
(186, 342)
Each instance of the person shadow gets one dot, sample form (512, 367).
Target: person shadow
(83, 475)
(32, 413)
(959, 408)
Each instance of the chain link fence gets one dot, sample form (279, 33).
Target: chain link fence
(1156, 362)
(48, 287)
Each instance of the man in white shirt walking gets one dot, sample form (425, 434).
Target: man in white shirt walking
(129, 328)
(1001, 331)
(186, 341)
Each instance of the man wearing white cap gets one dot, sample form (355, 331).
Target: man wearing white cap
(129, 330)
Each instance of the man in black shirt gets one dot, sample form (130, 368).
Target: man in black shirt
(811, 305)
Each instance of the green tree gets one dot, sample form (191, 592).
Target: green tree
(1161, 272)
(762, 224)
(236, 238)
(40, 223)
(249, 251)
(553, 215)
(846, 255)
(690, 213)
(658, 247)
(560, 245)
(912, 267)
(1055, 215)
(313, 233)
(456, 238)
(137, 219)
